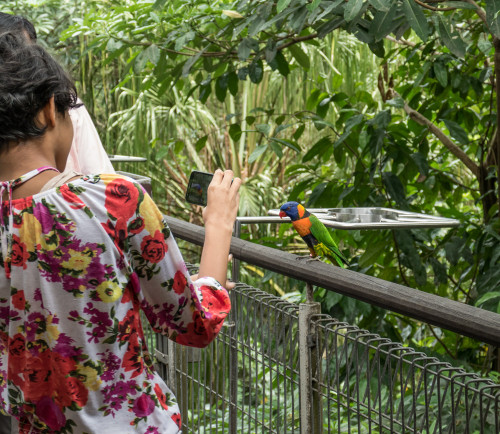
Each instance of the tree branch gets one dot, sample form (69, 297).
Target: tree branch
(297, 40)
(433, 8)
(445, 140)
(442, 343)
(480, 12)
(400, 41)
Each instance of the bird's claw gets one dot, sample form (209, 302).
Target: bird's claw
(307, 258)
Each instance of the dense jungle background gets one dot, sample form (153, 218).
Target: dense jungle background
(388, 103)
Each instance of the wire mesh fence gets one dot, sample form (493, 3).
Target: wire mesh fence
(249, 380)
(366, 383)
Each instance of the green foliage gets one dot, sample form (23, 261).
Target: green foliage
(397, 109)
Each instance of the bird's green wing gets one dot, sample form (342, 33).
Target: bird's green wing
(321, 233)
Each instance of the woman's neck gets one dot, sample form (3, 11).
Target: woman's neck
(22, 158)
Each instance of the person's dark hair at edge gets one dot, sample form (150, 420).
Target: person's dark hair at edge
(16, 23)
(29, 77)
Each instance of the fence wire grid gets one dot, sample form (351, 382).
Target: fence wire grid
(249, 380)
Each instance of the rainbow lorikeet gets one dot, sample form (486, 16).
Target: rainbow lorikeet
(313, 232)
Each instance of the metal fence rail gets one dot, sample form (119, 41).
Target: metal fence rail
(252, 378)
(278, 367)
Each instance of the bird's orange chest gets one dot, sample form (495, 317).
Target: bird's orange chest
(302, 226)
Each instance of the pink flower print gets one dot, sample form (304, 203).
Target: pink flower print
(43, 215)
(34, 325)
(116, 394)
(111, 363)
(65, 346)
(143, 406)
(50, 414)
(152, 430)
(100, 319)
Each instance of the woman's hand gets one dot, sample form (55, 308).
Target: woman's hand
(219, 215)
(223, 199)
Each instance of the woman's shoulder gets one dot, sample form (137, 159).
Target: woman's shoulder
(109, 180)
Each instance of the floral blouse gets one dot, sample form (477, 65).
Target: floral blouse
(85, 259)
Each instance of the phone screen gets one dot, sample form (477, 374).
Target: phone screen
(197, 187)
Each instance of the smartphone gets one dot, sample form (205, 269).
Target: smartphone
(197, 187)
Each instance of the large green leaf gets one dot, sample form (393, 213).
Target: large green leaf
(245, 48)
(352, 9)
(383, 23)
(232, 83)
(493, 16)
(280, 63)
(441, 73)
(318, 149)
(416, 18)
(299, 55)
(282, 4)
(451, 39)
(258, 151)
(490, 296)
(457, 132)
(288, 143)
(381, 5)
(395, 189)
(256, 71)
(221, 87)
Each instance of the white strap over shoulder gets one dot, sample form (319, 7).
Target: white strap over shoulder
(60, 179)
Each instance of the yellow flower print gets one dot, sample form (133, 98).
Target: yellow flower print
(88, 376)
(78, 261)
(109, 177)
(29, 231)
(152, 216)
(52, 330)
(46, 244)
(109, 291)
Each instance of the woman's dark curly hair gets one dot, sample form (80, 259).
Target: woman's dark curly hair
(29, 77)
(15, 24)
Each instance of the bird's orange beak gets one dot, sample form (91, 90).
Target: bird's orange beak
(282, 214)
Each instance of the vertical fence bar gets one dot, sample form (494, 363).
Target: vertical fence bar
(310, 397)
(233, 349)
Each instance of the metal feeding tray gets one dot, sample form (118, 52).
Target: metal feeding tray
(362, 215)
(363, 218)
(126, 159)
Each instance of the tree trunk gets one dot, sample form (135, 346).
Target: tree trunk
(487, 190)
(496, 43)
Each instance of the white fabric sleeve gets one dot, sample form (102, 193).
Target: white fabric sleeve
(87, 155)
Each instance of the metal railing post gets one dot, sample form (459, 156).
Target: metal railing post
(235, 271)
(309, 369)
(233, 350)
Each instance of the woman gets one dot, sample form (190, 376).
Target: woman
(87, 154)
(78, 263)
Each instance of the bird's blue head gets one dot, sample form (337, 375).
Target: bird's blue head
(292, 210)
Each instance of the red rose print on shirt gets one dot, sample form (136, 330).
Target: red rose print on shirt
(121, 199)
(76, 391)
(71, 197)
(20, 254)
(18, 300)
(38, 377)
(180, 282)
(154, 248)
(161, 397)
(176, 417)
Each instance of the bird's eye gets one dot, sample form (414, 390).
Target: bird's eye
(288, 208)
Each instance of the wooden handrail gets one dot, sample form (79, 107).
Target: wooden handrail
(452, 315)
